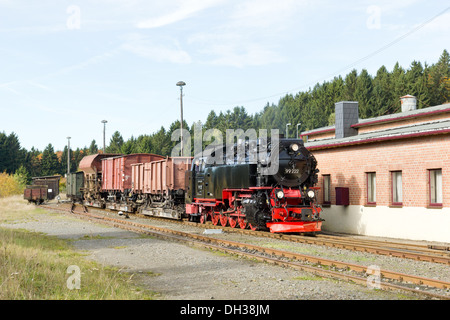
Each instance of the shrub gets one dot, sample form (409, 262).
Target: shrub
(10, 185)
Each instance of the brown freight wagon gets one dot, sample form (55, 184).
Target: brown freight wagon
(117, 170)
(91, 165)
(158, 177)
(52, 183)
(161, 182)
(116, 179)
(36, 194)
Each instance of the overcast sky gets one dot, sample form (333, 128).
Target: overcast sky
(67, 65)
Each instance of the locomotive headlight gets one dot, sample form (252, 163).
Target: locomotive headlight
(280, 194)
(311, 193)
(294, 147)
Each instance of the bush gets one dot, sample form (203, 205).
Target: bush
(10, 185)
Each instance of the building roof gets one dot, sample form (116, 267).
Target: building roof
(386, 119)
(400, 132)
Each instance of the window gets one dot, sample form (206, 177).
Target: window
(435, 180)
(397, 189)
(371, 188)
(326, 189)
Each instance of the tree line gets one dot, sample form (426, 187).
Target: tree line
(377, 95)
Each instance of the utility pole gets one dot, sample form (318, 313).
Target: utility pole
(181, 84)
(68, 155)
(104, 129)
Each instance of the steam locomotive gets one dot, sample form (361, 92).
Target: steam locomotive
(239, 192)
(274, 191)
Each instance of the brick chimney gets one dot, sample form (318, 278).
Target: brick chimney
(346, 114)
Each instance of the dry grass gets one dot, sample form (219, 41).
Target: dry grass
(16, 208)
(33, 266)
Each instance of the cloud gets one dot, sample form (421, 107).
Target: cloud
(7, 86)
(185, 9)
(237, 50)
(147, 48)
(251, 34)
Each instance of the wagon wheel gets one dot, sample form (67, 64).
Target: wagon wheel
(232, 221)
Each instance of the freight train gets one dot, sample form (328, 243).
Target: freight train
(234, 191)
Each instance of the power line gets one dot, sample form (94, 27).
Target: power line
(390, 44)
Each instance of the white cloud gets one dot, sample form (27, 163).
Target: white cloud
(230, 49)
(184, 9)
(265, 13)
(147, 48)
(7, 86)
(251, 34)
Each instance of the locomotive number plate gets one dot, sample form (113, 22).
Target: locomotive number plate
(291, 171)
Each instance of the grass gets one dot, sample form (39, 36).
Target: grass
(34, 266)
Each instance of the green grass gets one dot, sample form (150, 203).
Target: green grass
(34, 266)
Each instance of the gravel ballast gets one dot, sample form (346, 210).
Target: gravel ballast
(179, 272)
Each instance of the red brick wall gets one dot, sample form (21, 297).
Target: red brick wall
(348, 166)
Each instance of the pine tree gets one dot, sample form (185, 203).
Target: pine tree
(382, 92)
(439, 80)
(399, 87)
(416, 84)
(49, 162)
(115, 143)
(350, 86)
(93, 148)
(363, 94)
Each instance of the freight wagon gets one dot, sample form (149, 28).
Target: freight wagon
(158, 186)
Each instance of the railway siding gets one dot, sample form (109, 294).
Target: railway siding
(173, 269)
(415, 268)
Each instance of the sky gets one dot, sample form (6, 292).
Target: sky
(67, 65)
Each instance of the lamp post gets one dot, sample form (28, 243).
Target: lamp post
(287, 132)
(298, 124)
(104, 128)
(181, 84)
(68, 155)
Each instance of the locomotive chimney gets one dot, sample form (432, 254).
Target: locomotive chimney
(346, 114)
(408, 103)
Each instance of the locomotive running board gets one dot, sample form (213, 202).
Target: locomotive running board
(312, 226)
(159, 212)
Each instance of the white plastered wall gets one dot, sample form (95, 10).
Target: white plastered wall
(405, 223)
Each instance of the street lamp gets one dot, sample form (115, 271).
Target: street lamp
(181, 84)
(68, 155)
(298, 124)
(287, 132)
(104, 128)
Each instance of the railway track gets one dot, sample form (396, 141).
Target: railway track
(388, 280)
(394, 249)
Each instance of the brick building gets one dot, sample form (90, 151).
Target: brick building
(387, 176)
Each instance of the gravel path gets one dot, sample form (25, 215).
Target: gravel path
(179, 272)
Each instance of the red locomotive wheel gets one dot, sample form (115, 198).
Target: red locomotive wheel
(223, 220)
(242, 223)
(254, 228)
(203, 218)
(215, 219)
(232, 221)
